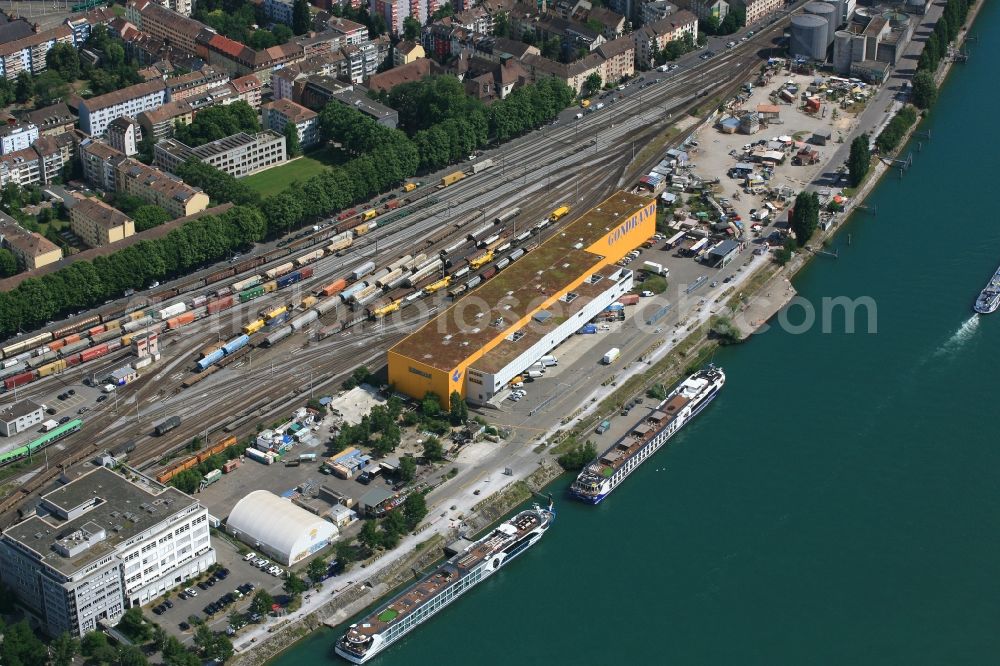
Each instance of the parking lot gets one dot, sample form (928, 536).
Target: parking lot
(240, 573)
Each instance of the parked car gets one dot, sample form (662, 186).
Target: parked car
(102, 398)
(191, 592)
(159, 610)
(183, 626)
(249, 556)
(202, 585)
(168, 603)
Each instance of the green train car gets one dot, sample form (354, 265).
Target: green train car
(36, 445)
(251, 294)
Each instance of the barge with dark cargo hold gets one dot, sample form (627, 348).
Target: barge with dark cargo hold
(369, 636)
(604, 473)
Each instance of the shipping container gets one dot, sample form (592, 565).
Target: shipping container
(364, 293)
(362, 270)
(291, 278)
(327, 331)
(611, 356)
(276, 322)
(629, 299)
(516, 254)
(479, 167)
(73, 348)
(308, 302)
(253, 327)
(235, 344)
(269, 287)
(259, 456)
(211, 477)
(219, 305)
(230, 465)
(452, 178)
(92, 353)
(334, 287)
(170, 311)
(326, 305)
(340, 242)
(307, 457)
(250, 294)
(177, 322)
(277, 336)
(19, 380)
(306, 273)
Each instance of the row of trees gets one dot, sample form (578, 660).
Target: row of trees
(894, 132)
(675, 48)
(860, 160)
(735, 19)
(218, 185)
(218, 122)
(925, 91)
(805, 217)
(240, 20)
(90, 283)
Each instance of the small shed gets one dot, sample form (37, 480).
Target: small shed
(723, 253)
(769, 112)
(680, 156)
(750, 123)
(729, 125)
(821, 138)
(373, 498)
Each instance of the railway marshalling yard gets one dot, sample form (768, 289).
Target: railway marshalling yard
(574, 163)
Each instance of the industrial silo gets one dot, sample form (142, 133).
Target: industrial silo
(808, 38)
(839, 7)
(859, 48)
(827, 12)
(842, 43)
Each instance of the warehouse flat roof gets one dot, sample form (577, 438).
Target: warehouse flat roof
(118, 510)
(491, 310)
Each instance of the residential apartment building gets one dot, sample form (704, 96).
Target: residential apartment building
(54, 152)
(319, 91)
(619, 59)
(19, 416)
(248, 88)
(100, 163)
(573, 74)
(612, 23)
(757, 10)
(706, 9)
(22, 167)
(406, 52)
(160, 188)
(28, 53)
(279, 10)
(239, 155)
(124, 135)
(195, 83)
(655, 10)
(102, 544)
(350, 32)
(159, 123)
(164, 24)
(99, 224)
(239, 60)
(17, 137)
(653, 38)
(97, 112)
(275, 115)
(31, 249)
(363, 60)
(82, 24)
(52, 120)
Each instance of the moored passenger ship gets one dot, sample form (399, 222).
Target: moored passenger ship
(460, 573)
(605, 472)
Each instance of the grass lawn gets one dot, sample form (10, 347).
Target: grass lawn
(277, 179)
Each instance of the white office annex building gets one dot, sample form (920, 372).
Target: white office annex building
(276, 527)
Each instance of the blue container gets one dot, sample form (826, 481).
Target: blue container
(211, 359)
(614, 307)
(588, 329)
(277, 321)
(291, 278)
(235, 344)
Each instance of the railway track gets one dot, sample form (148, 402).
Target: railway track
(268, 381)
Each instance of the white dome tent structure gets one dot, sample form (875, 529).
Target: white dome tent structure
(278, 528)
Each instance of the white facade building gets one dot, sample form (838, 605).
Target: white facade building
(101, 544)
(20, 416)
(238, 155)
(97, 113)
(17, 137)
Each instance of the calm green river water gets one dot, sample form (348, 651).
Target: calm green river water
(839, 503)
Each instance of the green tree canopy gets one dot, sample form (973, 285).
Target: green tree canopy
(924, 90)
(411, 28)
(433, 450)
(218, 122)
(407, 469)
(805, 217)
(292, 146)
(592, 84)
(8, 263)
(301, 17)
(859, 160)
(64, 59)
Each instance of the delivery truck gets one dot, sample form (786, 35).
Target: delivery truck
(611, 356)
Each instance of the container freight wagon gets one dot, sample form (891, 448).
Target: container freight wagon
(170, 311)
(243, 285)
(558, 213)
(479, 167)
(340, 242)
(279, 270)
(334, 287)
(451, 179)
(219, 305)
(277, 336)
(210, 359)
(309, 257)
(259, 456)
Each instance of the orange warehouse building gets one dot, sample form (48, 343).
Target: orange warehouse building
(501, 328)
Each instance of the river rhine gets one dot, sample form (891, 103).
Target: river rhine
(839, 503)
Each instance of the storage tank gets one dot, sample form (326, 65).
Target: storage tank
(897, 20)
(840, 8)
(842, 44)
(808, 38)
(828, 12)
(859, 48)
